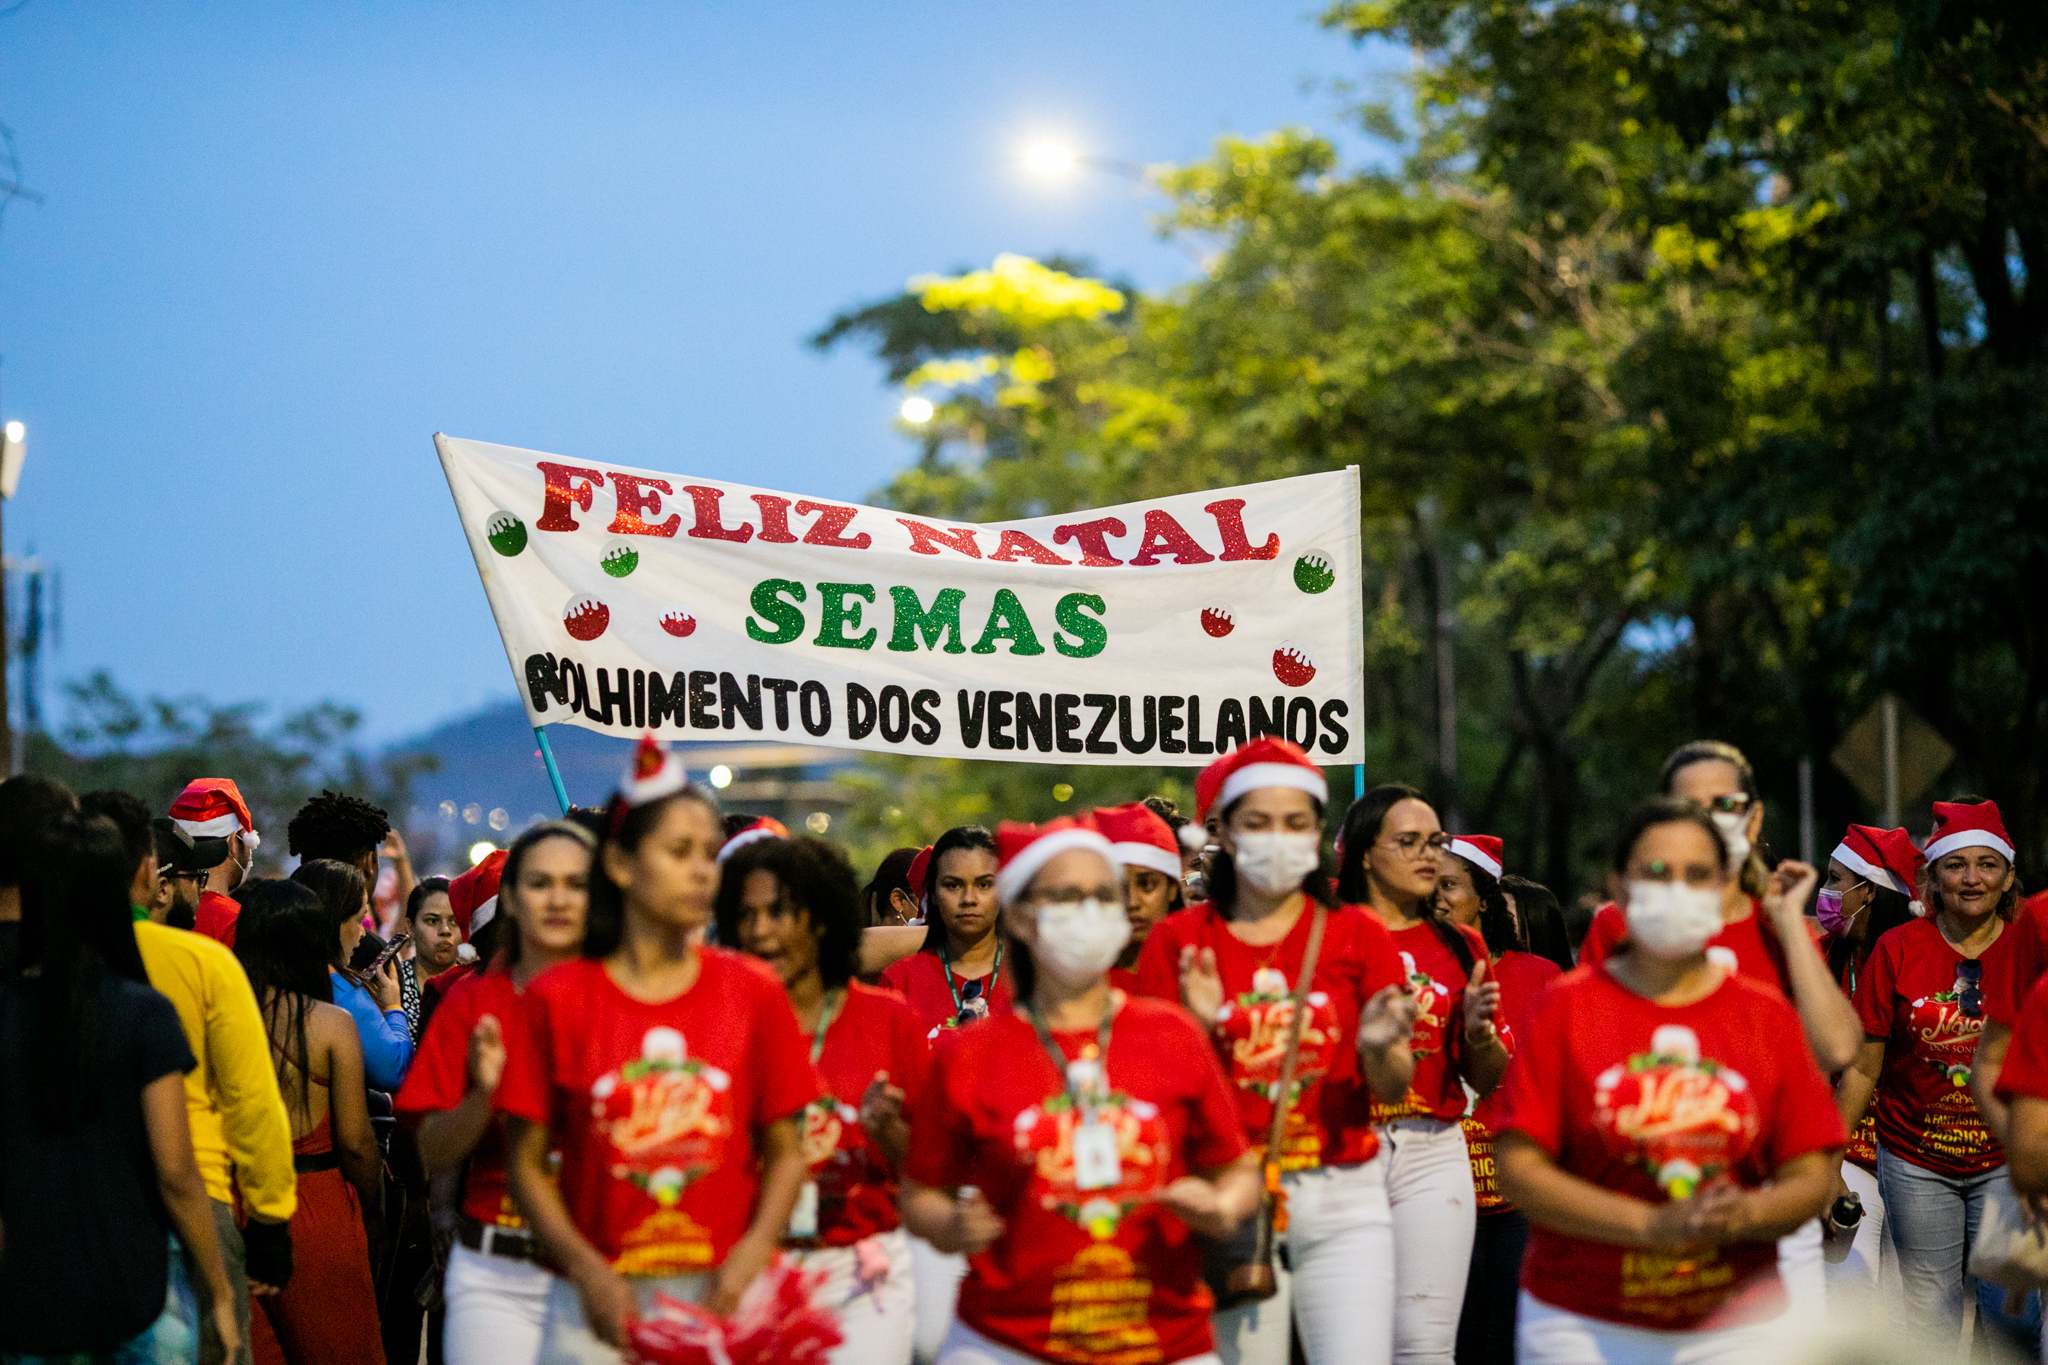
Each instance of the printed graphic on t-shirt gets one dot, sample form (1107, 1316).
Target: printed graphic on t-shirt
(1253, 1032)
(666, 1117)
(1686, 1119)
(1945, 1039)
(1479, 1147)
(1433, 1001)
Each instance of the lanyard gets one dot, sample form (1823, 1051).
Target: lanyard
(947, 963)
(827, 1012)
(1066, 1069)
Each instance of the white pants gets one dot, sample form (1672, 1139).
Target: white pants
(963, 1345)
(1429, 1186)
(497, 1308)
(877, 1320)
(1868, 1268)
(567, 1338)
(1804, 1268)
(1546, 1335)
(936, 1278)
(1339, 1292)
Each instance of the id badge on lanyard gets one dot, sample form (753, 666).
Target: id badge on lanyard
(1097, 1165)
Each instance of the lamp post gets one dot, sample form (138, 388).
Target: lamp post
(13, 450)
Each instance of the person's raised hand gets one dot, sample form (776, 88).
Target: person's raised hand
(881, 1114)
(1387, 1019)
(486, 1063)
(1788, 892)
(384, 987)
(1201, 984)
(1482, 1001)
(394, 849)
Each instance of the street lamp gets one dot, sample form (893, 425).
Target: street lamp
(13, 451)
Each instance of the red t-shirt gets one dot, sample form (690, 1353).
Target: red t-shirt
(215, 916)
(1909, 997)
(874, 1032)
(1436, 979)
(2026, 1061)
(440, 1076)
(1125, 979)
(1747, 946)
(1655, 1101)
(655, 1107)
(1523, 978)
(1100, 1275)
(2008, 984)
(1328, 1124)
(921, 980)
(1862, 1149)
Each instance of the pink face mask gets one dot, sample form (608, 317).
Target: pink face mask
(1834, 920)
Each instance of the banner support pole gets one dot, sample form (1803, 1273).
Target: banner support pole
(547, 755)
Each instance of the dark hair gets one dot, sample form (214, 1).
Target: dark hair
(27, 803)
(1888, 910)
(340, 887)
(500, 933)
(2008, 904)
(892, 874)
(1496, 921)
(1664, 810)
(1361, 830)
(627, 828)
(421, 889)
(76, 930)
(812, 876)
(952, 841)
(129, 816)
(1220, 874)
(1754, 872)
(1543, 923)
(286, 942)
(1167, 811)
(592, 819)
(337, 826)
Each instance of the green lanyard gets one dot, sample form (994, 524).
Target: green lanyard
(826, 1014)
(1084, 1102)
(990, 993)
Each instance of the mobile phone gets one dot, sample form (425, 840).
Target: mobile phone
(391, 950)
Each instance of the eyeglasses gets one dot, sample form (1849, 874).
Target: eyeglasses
(1969, 989)
(1734, 803)
(1074, 895)
(1413, 845)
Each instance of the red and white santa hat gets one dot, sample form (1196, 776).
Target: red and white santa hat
(1021, 850)
(1959, 825)
(753, 832)
(1882, 857)
(1481, 850)
(1140, 837)
(920, 868)
(656, 773)
(212, 808)
(1265, 762)
(473, 896)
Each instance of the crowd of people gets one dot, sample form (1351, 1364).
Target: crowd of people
(1136, 1086)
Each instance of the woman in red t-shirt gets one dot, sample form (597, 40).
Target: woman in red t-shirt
(670, 1077)
(957, 977)
(2023, 1086)
(1657, 1133)
(1071, 1145)
(1922, 1001)
(1388, 862)
(793, 904)
(1234, 960)
(1468, 892)
(1146, 846)
(495, 1290)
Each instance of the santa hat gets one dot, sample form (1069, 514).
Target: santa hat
(656, 773)
(920, 868)
(1882, 857)
(1957, 825)
(1021, 850)
(753, 832)
(1140, 837)
(473, 896)
(212, 808)
(1480, 850)
(1262, 763)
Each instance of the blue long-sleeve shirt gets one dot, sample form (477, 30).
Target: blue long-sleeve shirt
(387, 1042)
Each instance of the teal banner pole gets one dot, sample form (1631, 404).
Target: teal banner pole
(547, 756)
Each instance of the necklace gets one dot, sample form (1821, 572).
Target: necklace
(975, 991)
(827, 1012)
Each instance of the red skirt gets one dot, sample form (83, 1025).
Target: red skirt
(327, 1315)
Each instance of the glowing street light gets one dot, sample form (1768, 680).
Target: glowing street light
(480, 850)
(917, 411)
(721, 777)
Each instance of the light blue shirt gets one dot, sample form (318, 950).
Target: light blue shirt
(387, 1042)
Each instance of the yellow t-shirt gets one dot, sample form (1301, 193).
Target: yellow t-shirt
(240, 1131)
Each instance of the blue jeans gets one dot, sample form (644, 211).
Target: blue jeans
(1932, 1221)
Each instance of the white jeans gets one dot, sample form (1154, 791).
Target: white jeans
(567, 1338)
(1867, 1269)
(1547, 1335)
(1339, 1292)
(1429, 1186)
(963, 1345)
(936, 1278)
(497, 1308)
(1803, 1266)
(877, 1320)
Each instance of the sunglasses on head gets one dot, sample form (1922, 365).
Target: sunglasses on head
(1969, 989)
(970, 996)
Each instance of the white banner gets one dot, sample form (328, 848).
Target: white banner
(1162, 632)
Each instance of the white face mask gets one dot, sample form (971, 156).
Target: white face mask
(1671, 919)
(1275, 863)
(1079, 942)
(1734, 833)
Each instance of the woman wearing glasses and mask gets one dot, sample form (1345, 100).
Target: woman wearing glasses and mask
(1389, 860)
(1235, 960)
(1922, 1001)
(957, 977)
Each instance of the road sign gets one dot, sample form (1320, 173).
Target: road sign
(1892, 756)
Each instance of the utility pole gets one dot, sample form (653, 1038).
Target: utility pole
(13, 451)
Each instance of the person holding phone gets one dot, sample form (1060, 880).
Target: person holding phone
(670, 1076)
(372, 999)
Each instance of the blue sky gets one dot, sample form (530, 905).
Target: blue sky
(283, 245)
